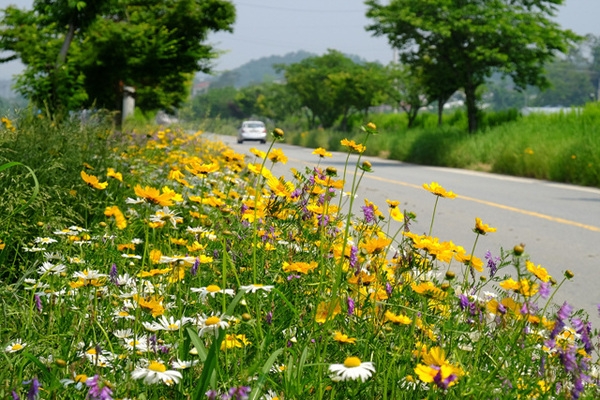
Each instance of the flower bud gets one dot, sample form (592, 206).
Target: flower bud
(450, 275)
(331, 171)
(277, 133)
(569, 274)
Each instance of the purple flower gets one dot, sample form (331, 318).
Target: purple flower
(577, 387)
(15, 396)
(113, 274)
(568, 359)
(269, 318)
(194, 269)
(98, 391)
(565, 311)
(369, 214)
(350, 306)
(34, 388)
(463, 301)
(292, 277)
(492, 263)
(38, 302)
(545, 289)
(237, 393)
(211, 394)
(583, 328)
(388, 288)
(354, 258)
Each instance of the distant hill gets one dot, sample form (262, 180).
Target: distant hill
(260, 70)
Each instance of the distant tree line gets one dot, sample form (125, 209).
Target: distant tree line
(326, 90)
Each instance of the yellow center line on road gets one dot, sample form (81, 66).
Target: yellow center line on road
(498, 205)
(487, 203)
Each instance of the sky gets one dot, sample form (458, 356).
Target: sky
(277, 27)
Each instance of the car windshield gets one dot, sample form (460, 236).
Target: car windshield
(254, 125)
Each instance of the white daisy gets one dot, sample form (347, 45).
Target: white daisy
(33, 249)
(78, 381)
(137, 257)
(89, 275)
(166, 215)
(212, 290)
(44, 240)
(212, 324)
(351, 369)
(15, 346)
(155, 372)
(49, 268)
(255, 287)
(123, 333)
(122, 314)
(135, 201)
(53, 256)
(138, 344)
(185, 260)
(178, 364)
(137, 241)
(164, 324)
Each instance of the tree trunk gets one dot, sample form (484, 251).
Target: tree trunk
(440, 110)
(62, 56)
(470, 89)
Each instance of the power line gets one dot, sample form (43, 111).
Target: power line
(298, 9)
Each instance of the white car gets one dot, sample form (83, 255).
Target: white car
(252, 130)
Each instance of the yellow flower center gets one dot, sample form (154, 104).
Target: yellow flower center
(81, 378)
(212, 321)
(17, 346)
(352, 362)
(173, 326)
(213, 288)
(123, 314)
(156, 366)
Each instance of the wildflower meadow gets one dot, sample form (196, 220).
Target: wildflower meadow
(193, 272)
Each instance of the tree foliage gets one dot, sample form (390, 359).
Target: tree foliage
(155, 46)
(333, 86)
(465, 41)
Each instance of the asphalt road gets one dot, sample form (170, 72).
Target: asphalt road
(558, 223)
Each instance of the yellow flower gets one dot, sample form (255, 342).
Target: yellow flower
(110, 172)
(482, 228)
(427, 288)
(327, 310)
(120, 220)
(299, 266)
(277, 155)
(321, 152)
(351, 145)
(397, 319)
(232, 341)
(438, 190)
(258, 153)
(539, 271)
(342, 338)
(152, 304)
(153, 195)
(93, 181)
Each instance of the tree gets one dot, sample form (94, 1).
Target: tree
(471, 39)
(406, 90)
(333, 86)
(155, 46)
(570, 85)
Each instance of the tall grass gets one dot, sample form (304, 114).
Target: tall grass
(562, 147)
